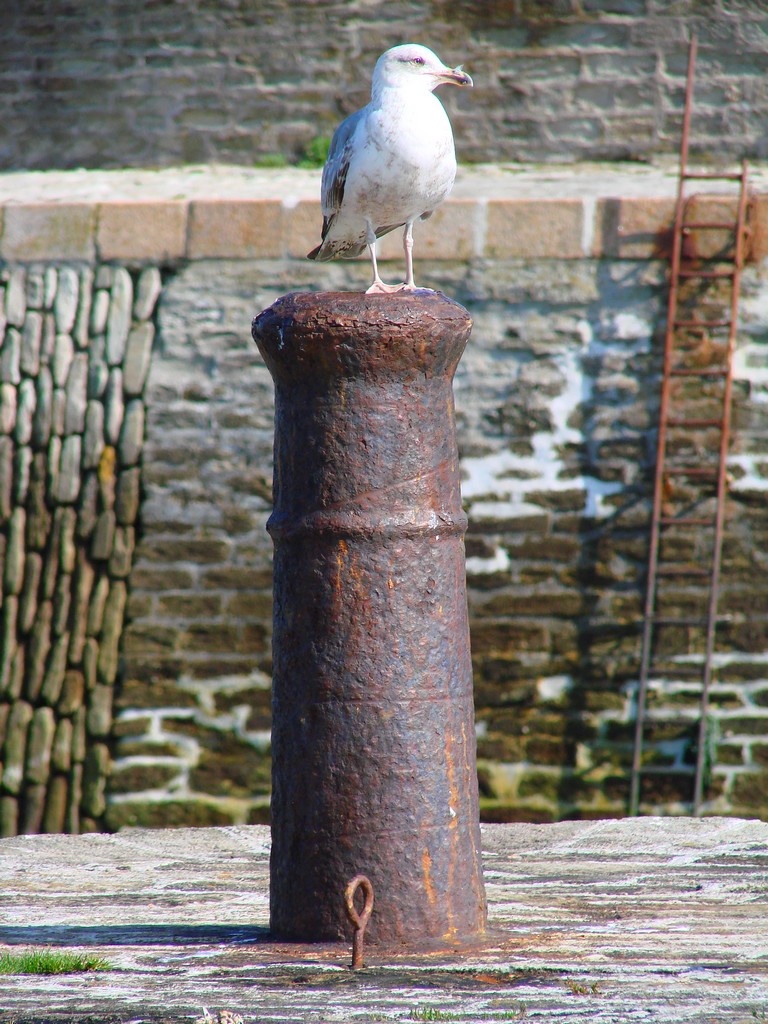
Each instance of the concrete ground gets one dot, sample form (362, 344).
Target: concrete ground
(662, 921)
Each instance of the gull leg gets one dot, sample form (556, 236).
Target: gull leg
(378, 286)
(409, 285)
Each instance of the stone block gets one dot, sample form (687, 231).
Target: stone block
(72, 821)
(229, 767)
(99, 311)
(15, 554)
(72, 692)
(197, 812)
(131, 438)
(6, 478)
(96, 606)
(137, 778)
(95, 771)
(148, 288)
(32, 808)
(68, 476)
(138, 230)
(66, 301)
(137, 357)
(62, 599)
(38, 646)
(67, 519)
(22, 466)
(76, 392)
(33, 569)
(56, 799)
(10, 356)
(9, 816)
(49, 231)
(8, 406)
(103, 536)
(304, 222)
(14, 750)
(634, 228)
(111, 632)
(121, 558)
(127, 495)
(114, 406)
(236, 229)
(757, 245)
(31, 338)
(39, 742)
(25, 411)
(119, 318)
(534, 229)
(42, 420)
(16, 297)
(63, 354)
(93, 435)
(98, 717)
(61, 749)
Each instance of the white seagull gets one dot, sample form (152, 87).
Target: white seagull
(391, 163)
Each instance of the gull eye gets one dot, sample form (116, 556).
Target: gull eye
(418, 60)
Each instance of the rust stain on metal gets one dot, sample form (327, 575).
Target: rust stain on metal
(372, 678)
(429, 885)
(359, 921)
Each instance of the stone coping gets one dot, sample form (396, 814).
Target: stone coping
(171, 215)
(652, 919)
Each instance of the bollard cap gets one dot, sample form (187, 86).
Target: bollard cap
(351, 334)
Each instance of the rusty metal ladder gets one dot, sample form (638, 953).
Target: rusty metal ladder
(670, 520)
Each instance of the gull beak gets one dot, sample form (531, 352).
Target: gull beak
(456, 76)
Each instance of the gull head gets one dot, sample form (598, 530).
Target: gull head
(414, 66)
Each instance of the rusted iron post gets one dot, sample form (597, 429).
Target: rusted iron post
(373, 743)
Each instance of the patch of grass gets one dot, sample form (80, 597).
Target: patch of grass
(584, 990)
(50, 961)
(315, 152)
(270, 160)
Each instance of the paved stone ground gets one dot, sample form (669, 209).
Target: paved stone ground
(653, 920)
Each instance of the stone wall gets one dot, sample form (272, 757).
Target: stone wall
(557, 399)
(155, 84)
(73, 364)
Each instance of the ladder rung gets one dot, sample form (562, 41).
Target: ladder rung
(698, 373)
(664, 620)
(685, 521)
(669, 569)
(691, 471)
(713, 225)
(708, 275)
(702, 323)
(713, 176)
(693, 423)
(680, 672)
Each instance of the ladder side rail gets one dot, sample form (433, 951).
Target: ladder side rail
(722, 485)
(658, 488)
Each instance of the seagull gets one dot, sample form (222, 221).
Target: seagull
(391, 163)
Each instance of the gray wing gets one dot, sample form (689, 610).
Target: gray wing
(337, 167)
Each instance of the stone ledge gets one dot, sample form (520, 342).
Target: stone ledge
(495, 212)
(657, 919)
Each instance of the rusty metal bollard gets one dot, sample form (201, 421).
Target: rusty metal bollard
(373, 742)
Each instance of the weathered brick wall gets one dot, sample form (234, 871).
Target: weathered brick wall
(556, 402)
(145, 84)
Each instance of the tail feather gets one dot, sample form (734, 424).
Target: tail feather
(330, 250)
